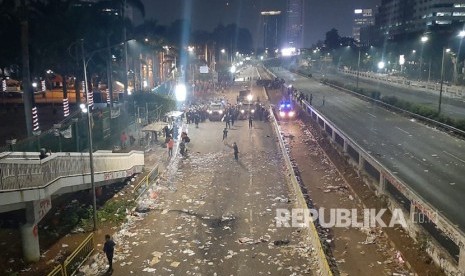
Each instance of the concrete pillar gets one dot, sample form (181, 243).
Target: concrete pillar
(413, 211)
(333, 135)
(30, 235)
(462, 259)
(361, 161)
(382, 184)
(345, 146)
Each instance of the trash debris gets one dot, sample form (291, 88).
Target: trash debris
(281, 242)
(399, 257)
(175, 264)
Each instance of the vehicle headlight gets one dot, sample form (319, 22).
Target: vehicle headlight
(221, 111)
(291, 113)
(282, 113)
(209, 111)
(253, 111)
(242, 111)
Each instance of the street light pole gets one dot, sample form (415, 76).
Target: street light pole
(89, 126)
(444, 50)
(358, 66)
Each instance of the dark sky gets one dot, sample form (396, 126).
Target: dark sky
(320, 15)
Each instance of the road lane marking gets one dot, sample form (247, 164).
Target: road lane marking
(403, 130)
(371, 115)
(450, 154)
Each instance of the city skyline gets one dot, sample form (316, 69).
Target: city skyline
(206, 14)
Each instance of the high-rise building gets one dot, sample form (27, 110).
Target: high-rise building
(295, 23)
(272, 29)
(362, 18)
(401, 17)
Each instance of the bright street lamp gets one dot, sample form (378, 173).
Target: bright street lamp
(180, 92)
(461, 34)
(232, 69)
(223, 51)
(381, 65)
(424, 39)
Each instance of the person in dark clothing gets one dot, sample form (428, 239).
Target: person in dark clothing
(225, 133)
(109, 249)
(236, 151)
(250, 121)
(42, 154)
(227, 119)
(311, 98)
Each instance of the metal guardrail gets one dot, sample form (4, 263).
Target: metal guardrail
(26, 171)
(143, 185)
(57, 271)
(79, 256)
(323, 264)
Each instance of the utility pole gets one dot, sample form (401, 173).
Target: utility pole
(28, 93)
(358, 66)
(125, 77)
(109, 72)
(89, 133)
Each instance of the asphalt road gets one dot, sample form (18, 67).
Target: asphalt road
(453, 108)
(431, 162)
(214, 215)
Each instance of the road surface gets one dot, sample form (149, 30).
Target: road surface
(454, 108)
(430, 161)
(214, 215)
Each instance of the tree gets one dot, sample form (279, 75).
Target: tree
(332, 40)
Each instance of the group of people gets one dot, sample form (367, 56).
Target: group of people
(300, 97)
(233, 112)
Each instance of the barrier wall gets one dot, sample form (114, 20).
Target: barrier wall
(23, 170)
(310, 231)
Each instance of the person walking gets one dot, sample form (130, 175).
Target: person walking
(311, 98)
(236, 151)
(225, 133)
(123, 139)
(227, 119)
(250, 121)
(109, 249)
(170, 146)
(323, 101)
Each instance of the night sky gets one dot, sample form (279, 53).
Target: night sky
(320, 15)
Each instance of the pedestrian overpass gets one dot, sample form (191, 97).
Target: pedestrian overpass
(27, 182)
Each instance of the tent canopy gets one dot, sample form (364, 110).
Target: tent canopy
(157, 126)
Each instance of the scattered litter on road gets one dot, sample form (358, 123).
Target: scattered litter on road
(281, 242)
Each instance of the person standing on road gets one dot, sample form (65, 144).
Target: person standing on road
(109, 249)
(123, 140)
(225, 133)
(311, 98)
(170, 146)
(323, 101)
(250, 121)
(236, 151)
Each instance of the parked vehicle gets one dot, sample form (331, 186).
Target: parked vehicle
(215, 111)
